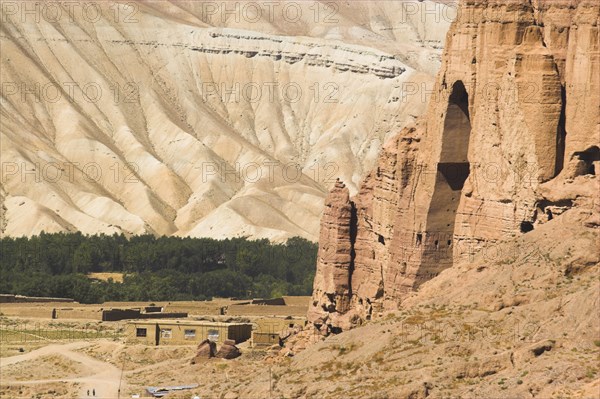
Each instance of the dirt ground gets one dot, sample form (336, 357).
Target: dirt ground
(64, 358)
(60, 366)
(48, 367)
(69, 370)
(37, 391)
(295, 306)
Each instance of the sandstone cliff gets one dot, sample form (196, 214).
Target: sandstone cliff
(510, 141)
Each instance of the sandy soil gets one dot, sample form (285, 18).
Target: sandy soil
(91, 374)
(108, 366)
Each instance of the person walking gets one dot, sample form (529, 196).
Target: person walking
(94, 392)
(88, 392)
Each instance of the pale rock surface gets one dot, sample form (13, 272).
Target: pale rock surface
(176, 118)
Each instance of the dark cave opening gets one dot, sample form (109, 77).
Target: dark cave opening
(452, 172)
(587, 161)
(561, 134)
(526, 227)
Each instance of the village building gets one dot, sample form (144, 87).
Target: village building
(181, 332)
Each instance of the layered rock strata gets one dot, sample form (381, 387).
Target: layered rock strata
(201, 118)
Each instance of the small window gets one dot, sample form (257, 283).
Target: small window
(189, 334)
(213, 335)
(166, 333)
(141, 332)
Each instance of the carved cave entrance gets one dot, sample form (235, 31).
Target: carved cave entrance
(452, 172)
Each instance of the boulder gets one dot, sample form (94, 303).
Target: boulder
(228, 350)
(206, 350)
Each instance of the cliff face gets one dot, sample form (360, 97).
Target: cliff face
(509, 141)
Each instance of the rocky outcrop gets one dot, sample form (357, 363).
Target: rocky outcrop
(333, 288)
(512, 120)
(347, 58)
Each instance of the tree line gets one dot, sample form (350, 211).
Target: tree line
(154, 268)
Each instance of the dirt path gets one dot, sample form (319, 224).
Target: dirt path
(104, 379)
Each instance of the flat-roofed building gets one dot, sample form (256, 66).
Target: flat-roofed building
(181, 332)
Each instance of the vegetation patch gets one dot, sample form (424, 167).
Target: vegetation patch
(99, 268)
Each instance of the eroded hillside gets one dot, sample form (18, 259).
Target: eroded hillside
(192, 119)
(516, 322)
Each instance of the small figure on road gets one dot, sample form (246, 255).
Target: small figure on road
(88, 392)
(94, 392)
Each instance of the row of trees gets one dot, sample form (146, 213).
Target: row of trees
(155, 268)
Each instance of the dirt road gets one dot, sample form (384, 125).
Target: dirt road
(104, 377)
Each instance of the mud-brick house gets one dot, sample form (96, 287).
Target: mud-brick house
(181, 332)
